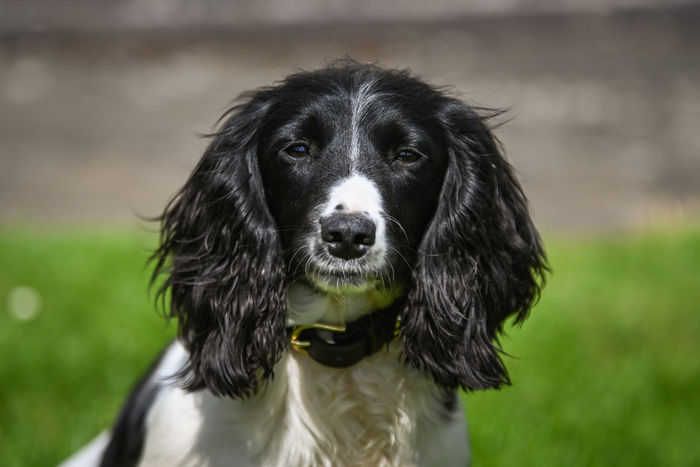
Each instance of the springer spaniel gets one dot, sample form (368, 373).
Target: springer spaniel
(339, 263)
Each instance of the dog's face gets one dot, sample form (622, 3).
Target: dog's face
(352, 178)
(349, 179)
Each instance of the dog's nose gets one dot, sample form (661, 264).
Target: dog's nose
(348, 236)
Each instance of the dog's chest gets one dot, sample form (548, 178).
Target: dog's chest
(367, 415)
(372, 414)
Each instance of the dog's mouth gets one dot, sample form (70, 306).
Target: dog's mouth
(336, 275)
(342, 280)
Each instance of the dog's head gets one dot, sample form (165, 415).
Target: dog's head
(346, 181)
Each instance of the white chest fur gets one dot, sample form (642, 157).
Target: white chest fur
(376, 413)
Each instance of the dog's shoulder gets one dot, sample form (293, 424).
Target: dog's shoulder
(129, 430)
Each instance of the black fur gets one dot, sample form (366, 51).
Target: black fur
(224, 267)
(480, 261)
(466, 252)
(129, 429)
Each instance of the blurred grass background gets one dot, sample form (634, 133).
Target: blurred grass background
(66, 370)
(605, 371)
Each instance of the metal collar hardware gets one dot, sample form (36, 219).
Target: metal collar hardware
(341, 346)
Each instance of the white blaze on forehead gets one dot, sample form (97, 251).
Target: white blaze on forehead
(360, 101)
(355, 194)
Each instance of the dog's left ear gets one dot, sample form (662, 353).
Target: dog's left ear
(480, 261)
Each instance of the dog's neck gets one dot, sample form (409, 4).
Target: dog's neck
(308, 305)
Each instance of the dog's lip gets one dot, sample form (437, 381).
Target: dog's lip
(338, 275)
(339, 278)
(326, 271)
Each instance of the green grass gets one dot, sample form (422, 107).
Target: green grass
(64, 374)
(607, 368)
(606, 371)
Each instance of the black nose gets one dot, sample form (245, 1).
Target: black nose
(348, 236)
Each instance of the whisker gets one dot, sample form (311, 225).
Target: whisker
(392, 278)
(306, 259)
(291, 260)
(403, 258)
(278, 229)
(395, 221)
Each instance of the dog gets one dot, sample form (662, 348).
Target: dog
(340, 264)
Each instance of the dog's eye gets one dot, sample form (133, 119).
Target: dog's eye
(407, 156)
(297, 150)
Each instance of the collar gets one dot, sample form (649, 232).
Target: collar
(345, 345)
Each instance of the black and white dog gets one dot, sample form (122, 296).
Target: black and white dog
(339, 263)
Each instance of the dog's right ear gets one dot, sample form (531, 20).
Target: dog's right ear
(222, 262)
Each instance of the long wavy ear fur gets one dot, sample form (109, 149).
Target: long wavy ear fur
(223, 264)
(480, 261)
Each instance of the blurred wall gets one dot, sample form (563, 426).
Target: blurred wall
(19, 16)
(100, 114)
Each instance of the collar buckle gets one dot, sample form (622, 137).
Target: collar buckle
(347, 344)
(303, 345)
